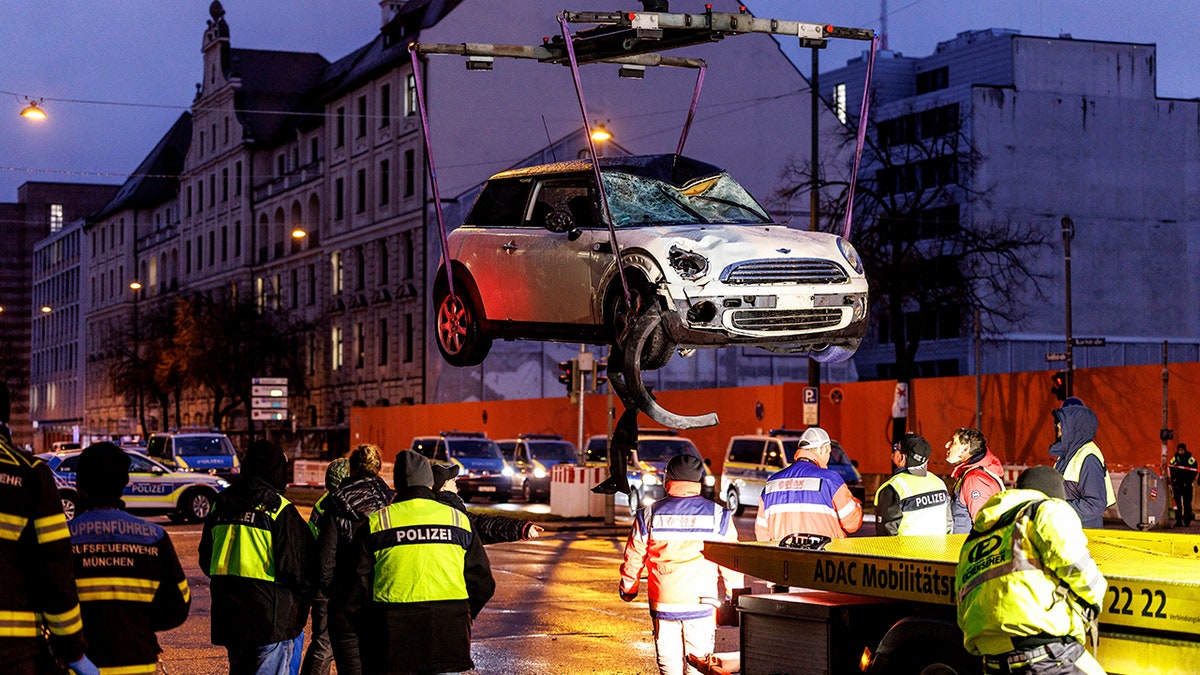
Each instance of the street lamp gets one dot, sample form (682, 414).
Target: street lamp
(46, 309)
(299, 232)
(1068, 232)
(601, 135)
(32, 111)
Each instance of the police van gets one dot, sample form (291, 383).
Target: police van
(484, 472)
(153, 488)
(750, 460)
(196, 449)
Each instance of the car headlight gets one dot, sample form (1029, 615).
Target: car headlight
(506, 471)
(222, 483)
(539, 472)
(649, 479)
(688, 264)
(710, 480)
(850, 255)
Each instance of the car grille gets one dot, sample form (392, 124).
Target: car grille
(785, 319)
(785, 271)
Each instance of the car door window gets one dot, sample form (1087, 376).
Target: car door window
(774, 457)
(746, 451)
(561, 204)
(139, 465)
(501, 203)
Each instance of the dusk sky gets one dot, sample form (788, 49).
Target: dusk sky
(115, 74)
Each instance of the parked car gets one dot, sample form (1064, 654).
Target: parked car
(531, 457)
(484, 472)
(534, 260)
(648, 463)
(751, 459)
(198, 449)
(154, 488)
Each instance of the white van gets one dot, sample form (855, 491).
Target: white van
(750, 460)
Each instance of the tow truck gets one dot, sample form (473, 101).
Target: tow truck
(885, 605)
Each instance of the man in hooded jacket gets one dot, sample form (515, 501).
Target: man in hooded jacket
(257, 548)
(423, 578)
(1082, 465)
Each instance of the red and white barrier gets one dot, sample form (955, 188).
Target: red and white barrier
(571, 493)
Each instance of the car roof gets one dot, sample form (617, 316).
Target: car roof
(670, 168)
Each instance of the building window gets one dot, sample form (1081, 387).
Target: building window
(385, 179)
(340, 139)
(199, 195)
(224, 243)
(385, 106)
(201, 145)
(409, 338)
(56, 217)
(839, 101)
(294, 295)
(188, 202)
(383, 262)
(339, 198)
(213, 137)
(312, 284)
(360, 272)
(225, 184)
(362, 117)
(212, 247)
(335, 260)
(314, 150)
(382, 342)
(226, 137)
(410, 172)
(335, 347)
(237, 178)
(410, 255)
(212, 189)
(187, 257)
(280, 163)
(410, 95)
(237, 239)
(360, 345)
(933, 80)
(360, 204)
(199, 253)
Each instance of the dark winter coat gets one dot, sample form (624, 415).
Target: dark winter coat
(490, 529)
(1088, 496)
(254, 612)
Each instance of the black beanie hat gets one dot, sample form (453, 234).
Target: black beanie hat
(264, 460)
(685, 467)
(412, 470)
(102, 472)
(1045, 479)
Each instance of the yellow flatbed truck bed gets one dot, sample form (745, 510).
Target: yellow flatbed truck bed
(1150, 621)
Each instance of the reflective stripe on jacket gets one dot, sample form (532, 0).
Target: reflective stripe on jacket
(666, 541)
(419, 534)
(806, 499)
(1075, 465)
(924, 503)
(246, 548)
(1025, 571)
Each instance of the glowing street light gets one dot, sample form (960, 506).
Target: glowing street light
(299, 233)
(46, 309)
(600, 134)
(33, 112)
(135, 285)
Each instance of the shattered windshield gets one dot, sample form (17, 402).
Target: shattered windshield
(637, 200)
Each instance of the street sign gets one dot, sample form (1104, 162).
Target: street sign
(271, 403)
(812, 411)
(273, 391)
(1056, 356)
(270, 381)
(1087, 342)
(267, 415)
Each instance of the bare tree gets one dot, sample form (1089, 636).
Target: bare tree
(930, 257)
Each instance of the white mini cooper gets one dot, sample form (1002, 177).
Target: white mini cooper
(534, 260)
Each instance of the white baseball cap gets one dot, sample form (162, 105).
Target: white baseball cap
(814, 437)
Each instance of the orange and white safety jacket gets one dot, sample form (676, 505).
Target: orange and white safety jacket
(666, 541)
(806, 498)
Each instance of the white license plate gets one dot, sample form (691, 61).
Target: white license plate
(487, 488)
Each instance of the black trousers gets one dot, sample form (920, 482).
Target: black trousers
(1183, 502)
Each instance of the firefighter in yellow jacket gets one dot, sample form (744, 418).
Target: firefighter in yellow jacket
(1028, 590)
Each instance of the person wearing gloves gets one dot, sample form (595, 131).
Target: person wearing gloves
(912, 501)
(491, 529)
(1028, 590)
(666, 541)
(807, 497)
(36, 565)
(130, 581)
(320, 654)
(977, 476)
(362, 493)
(423, 577)
(1079, 460)
(257, 550)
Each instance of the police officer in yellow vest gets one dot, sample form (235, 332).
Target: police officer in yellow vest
(424, 577)
(912, 501)
(1028, 591)
(257, 550)
(1089, 490)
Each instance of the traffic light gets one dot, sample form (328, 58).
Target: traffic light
(1058, 385)
(568, 375)
(599, 375)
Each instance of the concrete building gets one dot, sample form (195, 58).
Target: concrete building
(280, 141)
(1062, 127)
(41, 209)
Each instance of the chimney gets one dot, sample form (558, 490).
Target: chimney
(390, 8)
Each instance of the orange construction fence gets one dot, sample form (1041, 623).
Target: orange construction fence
(1015, 409)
